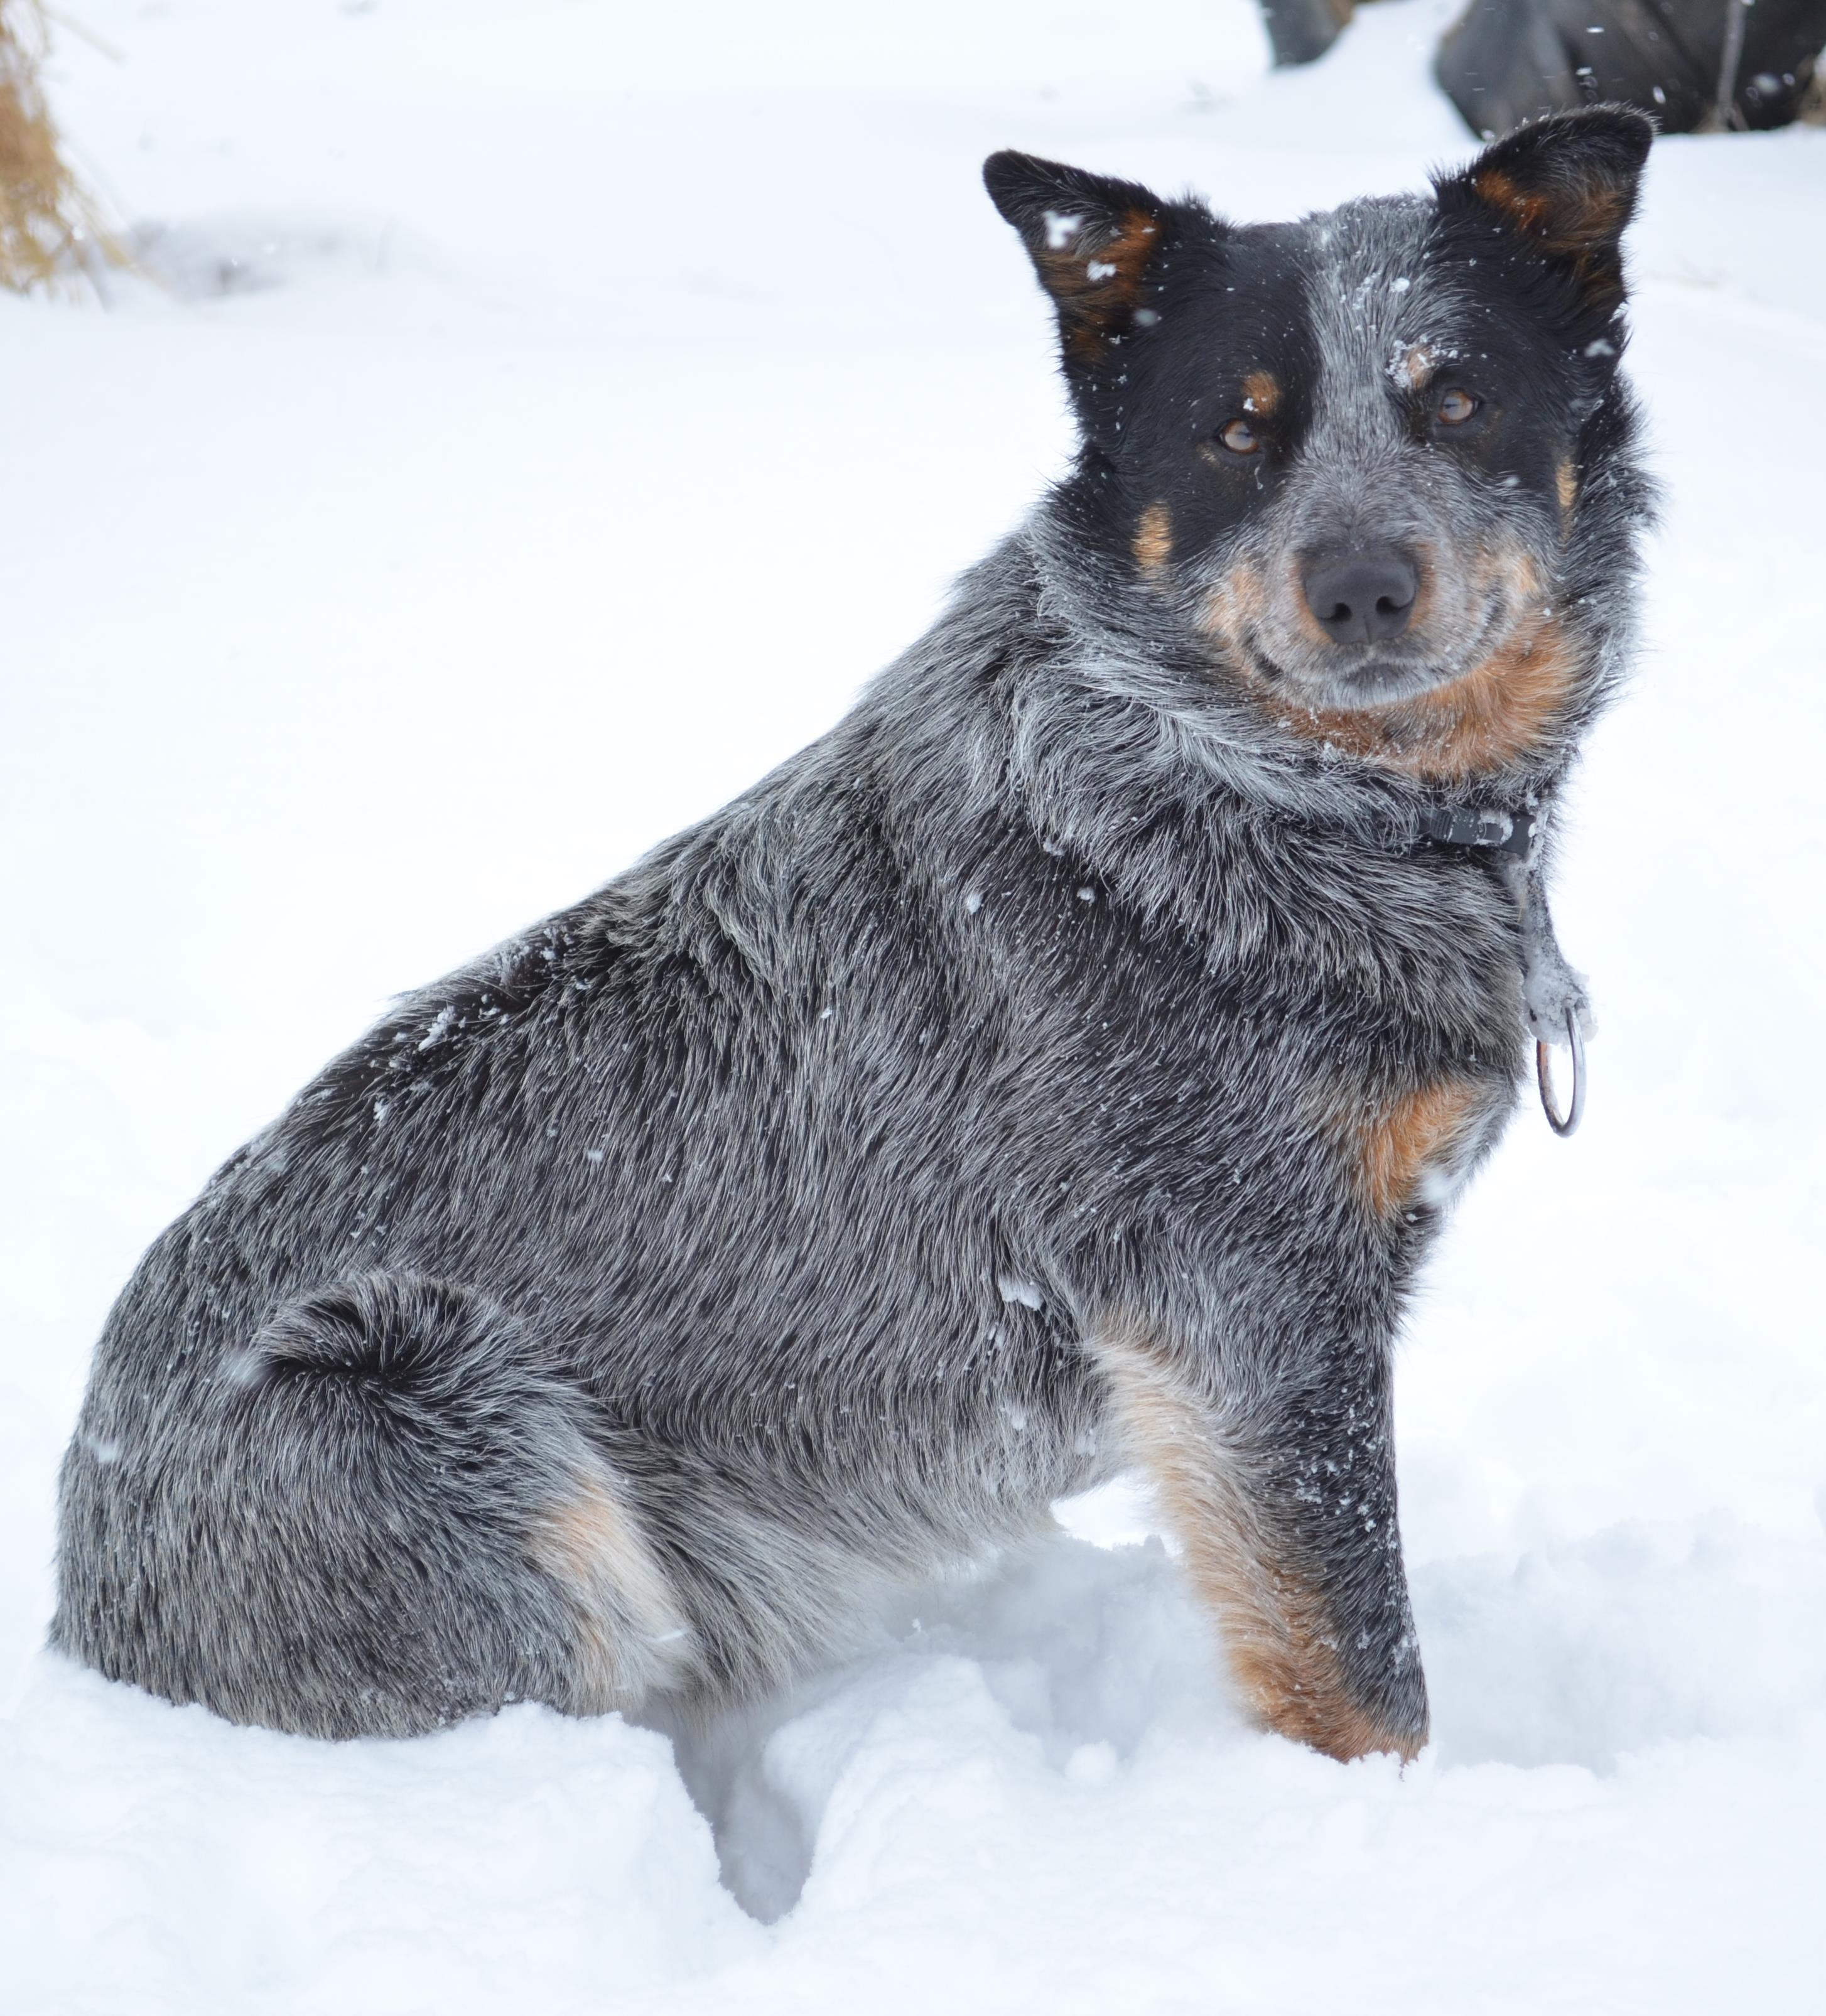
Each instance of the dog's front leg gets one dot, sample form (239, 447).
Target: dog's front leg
(1282, 1498)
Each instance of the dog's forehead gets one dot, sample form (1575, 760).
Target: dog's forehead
(1351, 291)
(1379, 313)
(1369, 284)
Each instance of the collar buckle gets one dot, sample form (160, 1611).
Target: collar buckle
(1493, 828)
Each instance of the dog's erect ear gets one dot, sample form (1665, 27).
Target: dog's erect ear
(1567, 185)
(1090, 238)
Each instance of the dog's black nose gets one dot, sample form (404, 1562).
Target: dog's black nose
(1360, 597)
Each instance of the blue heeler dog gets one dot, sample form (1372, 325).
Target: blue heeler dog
(1063, 1065)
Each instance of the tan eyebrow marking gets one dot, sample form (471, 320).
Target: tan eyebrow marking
(1261, 393)
(1414, 366)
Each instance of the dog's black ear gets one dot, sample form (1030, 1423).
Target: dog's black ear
(1567, 186)
(1091, 238)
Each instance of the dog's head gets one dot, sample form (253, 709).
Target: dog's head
(1359, 466)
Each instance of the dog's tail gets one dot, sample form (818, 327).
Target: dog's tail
(376, 1517)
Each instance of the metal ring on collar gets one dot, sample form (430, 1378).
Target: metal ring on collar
(1563, 1124)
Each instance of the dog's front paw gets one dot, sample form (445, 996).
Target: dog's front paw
(1550, 992)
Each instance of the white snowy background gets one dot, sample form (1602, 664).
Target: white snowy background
(552, 411)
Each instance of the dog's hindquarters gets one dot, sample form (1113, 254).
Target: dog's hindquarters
(376, 1518)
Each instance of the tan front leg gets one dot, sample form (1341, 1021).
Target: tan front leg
(1306, 1584)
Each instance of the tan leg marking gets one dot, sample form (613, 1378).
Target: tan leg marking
(631, 1633)
(1275, 1628)
(1153, 539)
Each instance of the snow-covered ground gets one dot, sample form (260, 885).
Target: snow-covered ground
(555, 411)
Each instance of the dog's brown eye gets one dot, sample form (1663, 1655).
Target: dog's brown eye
(1455, 407)
(1240, 438)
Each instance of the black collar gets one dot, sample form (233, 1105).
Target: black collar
(1494, 829)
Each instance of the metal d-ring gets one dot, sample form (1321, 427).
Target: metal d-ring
(1566, 1123)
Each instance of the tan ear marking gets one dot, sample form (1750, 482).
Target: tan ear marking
(1525, 208)
(1576, 221)
(1095, 277)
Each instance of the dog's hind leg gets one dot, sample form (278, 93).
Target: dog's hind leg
(378, 1516)
(1283, 1502)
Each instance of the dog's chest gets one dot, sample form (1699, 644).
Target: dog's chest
(1314, 1044)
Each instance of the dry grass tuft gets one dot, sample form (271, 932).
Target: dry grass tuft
(50, 233)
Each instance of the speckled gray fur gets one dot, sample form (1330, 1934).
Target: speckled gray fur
(764, 1205)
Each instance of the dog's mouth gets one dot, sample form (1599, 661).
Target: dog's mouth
(1360, 678)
